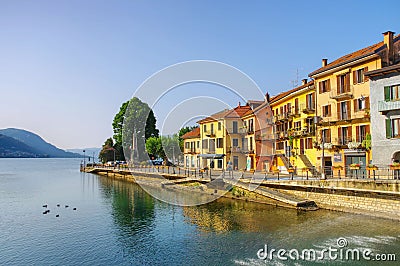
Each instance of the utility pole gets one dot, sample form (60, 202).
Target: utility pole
(84, 161)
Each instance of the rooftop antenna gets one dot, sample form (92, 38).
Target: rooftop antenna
(295, 83)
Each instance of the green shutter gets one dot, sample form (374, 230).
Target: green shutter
(388, 128)
(387, 93)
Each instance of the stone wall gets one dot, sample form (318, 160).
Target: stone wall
(385, 207)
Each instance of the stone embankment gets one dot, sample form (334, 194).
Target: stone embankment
(379, 198)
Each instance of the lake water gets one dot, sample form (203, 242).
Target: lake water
(117, 223)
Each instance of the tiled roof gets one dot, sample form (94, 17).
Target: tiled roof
(214, 117)
(195, 133)
(286, 93)
(238, 111)
(370, 50)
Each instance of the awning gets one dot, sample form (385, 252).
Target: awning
(211, 156)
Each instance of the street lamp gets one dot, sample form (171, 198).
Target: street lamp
(84, 162)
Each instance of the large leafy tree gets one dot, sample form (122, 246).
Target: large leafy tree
(166, 147)
(132, 125)
(107, 152)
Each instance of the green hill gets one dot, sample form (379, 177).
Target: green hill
(33, 145)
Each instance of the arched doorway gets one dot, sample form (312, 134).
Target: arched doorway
(396, 156)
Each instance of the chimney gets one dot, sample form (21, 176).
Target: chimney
(324, 62)
(388, 40)
(239, 104)
(303, 81)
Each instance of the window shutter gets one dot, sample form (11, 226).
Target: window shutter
(347, 82)
(329, 135)
(320, 87)
(313, 100)
(365, 77)
(339, 133)
(329, 110)
(339, 117)
(387, 93)
(348, 103)
(338, 84)
(388, 128)
(349, 133)
(367, 102)
(354, 77)
(355, 101)
(358, 137)
(328, 85)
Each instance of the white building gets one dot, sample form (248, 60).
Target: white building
(385, 114)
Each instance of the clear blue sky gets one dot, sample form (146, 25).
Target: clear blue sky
(66, 66)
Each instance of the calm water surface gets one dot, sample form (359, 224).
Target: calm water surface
(117, 223)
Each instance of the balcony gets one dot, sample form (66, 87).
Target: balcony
(384, 106)
(343, 93)
(308, 108)
(240, 150)
(210, 134)
(295, 113)
(342, 141)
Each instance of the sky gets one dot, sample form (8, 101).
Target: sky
(67, 66)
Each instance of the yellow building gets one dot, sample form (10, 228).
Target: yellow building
(223, 139)
(191, 148)
(294, 116)
(343, 106)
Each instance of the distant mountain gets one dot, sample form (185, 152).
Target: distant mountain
(37, 146)
(12, 148)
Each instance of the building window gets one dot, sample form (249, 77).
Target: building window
(361, 104)
(205, 128)
(219, 126)
(192, 161)
(344, 135)
(310, 101)
(219, 163)
(358, 75)
(297, 126)
(324, 86)
(251, 128)
(220, 143)
(244, 144)
(234, 127)
(251, 143)
(343, 110)
(392, 93)
(235, 142)
(361, 132)
(280, 145)
(205, 143)
(393, 128)
(187, 161)
(211, 145)
(326, 110)
(309, 143)
(212, 129)
(326, 135)
(198, 144)
(187, 145)
(343, 83)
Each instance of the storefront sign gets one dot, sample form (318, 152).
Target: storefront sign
(337, 158)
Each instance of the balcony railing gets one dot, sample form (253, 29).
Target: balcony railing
(209, 133)
(343, 93)
(308, 108)
(384, 106)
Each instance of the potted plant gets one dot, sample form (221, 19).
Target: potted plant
(395, 166)
(337, 167)
(354, 166)
(372, 167)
